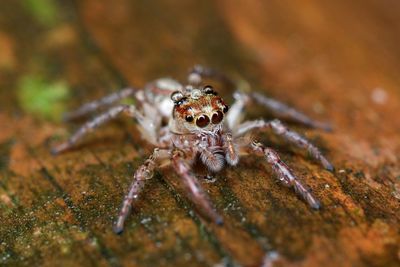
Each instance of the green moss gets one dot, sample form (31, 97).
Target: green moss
(44, 11)
(42, 98)
(128, 101)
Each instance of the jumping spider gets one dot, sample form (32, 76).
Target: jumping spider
(198, 124)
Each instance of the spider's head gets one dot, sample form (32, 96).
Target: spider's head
(197, 110)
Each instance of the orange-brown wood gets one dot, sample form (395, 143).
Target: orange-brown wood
(335, 60)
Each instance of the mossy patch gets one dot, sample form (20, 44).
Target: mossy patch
(44, 11)
(42, 98)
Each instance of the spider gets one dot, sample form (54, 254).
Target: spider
(192, 123)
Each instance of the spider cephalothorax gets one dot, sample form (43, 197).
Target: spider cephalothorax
(200, 126)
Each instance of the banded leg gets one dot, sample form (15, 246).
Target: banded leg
(285, 175)
(195, 192)
(291, 136)
(142, 174)
(198, 72)
(100, 103)
(284, 111)
(91, 125)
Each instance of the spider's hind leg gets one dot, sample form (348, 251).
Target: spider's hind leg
(284, 111)
(285, 175)
(198, 73)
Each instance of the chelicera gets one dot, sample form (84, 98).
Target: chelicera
(186, 123)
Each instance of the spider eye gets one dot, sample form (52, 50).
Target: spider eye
(202, 121)
(209, 90)
(217, 117)
(225, 109)
(177, 97)
(189, 118)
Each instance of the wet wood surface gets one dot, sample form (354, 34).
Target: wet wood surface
(337, 61)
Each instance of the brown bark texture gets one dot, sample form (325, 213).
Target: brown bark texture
(336, 61)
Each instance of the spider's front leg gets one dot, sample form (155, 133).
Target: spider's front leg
(291, 136)
(195, 192)
(100, 103)
(143, 173)
(284, 174)
(112, 113)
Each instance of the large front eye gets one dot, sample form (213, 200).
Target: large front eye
(217, 117)
(202, 121)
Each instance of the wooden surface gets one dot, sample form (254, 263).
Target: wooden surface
(337, 61)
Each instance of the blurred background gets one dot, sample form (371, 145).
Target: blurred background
(337, 61)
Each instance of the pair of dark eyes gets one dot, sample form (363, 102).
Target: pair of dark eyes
(203, 120)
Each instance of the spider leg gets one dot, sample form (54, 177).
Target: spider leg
(198, 72)
(143, 173)
(212, 159)
(235, 114)
(195, 192)
(285, 111)
(89, 126)
(285, 175)
(95, 105)
(231, 150)
(291, 136)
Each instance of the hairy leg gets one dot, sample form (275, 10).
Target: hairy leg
(195, 192)
(93, 124)
(198, 73)
(143, 173)
(285, 175)
(100, 103)
(231, 151)
(212, 158)
(291, 136)
(285, 111)
(235, 114)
